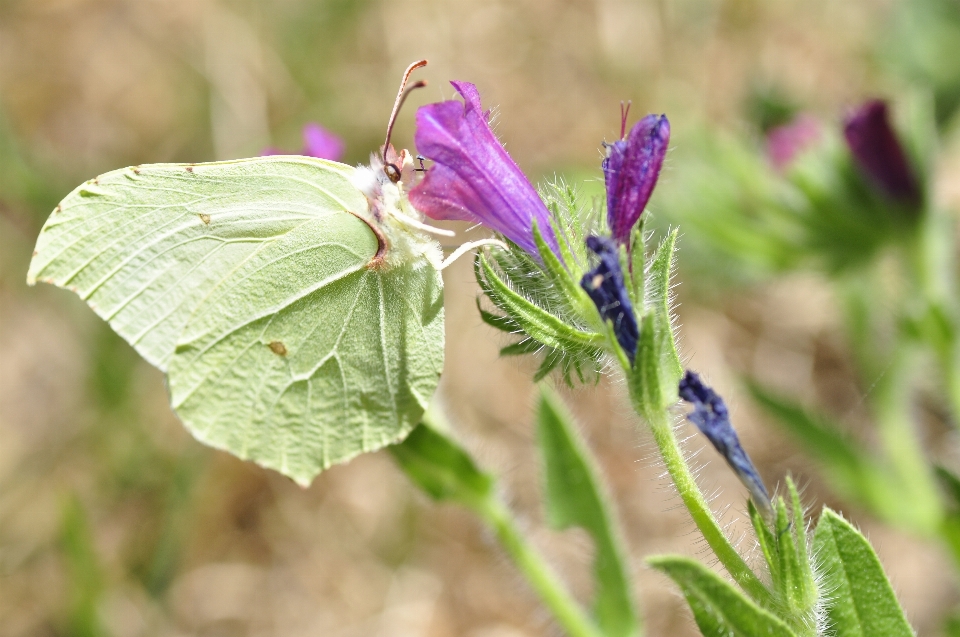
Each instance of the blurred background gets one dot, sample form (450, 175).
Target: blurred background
(115, 522)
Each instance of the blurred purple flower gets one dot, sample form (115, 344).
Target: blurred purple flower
(786, 142)
(604, 284)
(712, 419)
(317, 142)
(473, 178)
(878, 152)
(630, 171)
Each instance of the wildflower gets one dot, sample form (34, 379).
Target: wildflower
(786, 142)
(473, 178)
(317, 142)
(604, 284)
(630, 171)
(877, 151)
(712, 419)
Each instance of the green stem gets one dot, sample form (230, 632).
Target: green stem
(544, 581)
(695, 502)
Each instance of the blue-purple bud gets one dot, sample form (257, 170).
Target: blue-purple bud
(712, 419)
(605, 286)
(878, 152)
(630, 171)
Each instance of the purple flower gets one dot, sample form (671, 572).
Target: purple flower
(712, 419)
(317, 142)
(630, 171)
(604, 284)
(878, 152)
(786, 142)
(473, 178)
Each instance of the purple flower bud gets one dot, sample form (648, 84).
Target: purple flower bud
(317, 142)
(786, 142)
(712, 419)
(630, 171)
(321, 143)
(604, 284)
(878, 152)
(473, 178)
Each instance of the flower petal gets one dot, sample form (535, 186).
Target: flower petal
(321, 143)
(631, 170)
(712, 419)
(474, 179)
(605, 286)
(878, 152)
(786, 142)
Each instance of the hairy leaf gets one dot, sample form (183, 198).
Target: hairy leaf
(861, 602)
(719, 609)
(574, 497)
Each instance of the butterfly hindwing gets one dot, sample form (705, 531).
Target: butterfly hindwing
(248, 282)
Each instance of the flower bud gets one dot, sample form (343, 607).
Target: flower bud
(877, 151)
(605, 286)
(630, 172)
(712, 419)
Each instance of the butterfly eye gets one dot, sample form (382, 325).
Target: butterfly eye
(392, 172)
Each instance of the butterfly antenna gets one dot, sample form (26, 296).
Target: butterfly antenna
(401, 98)
(624, 111)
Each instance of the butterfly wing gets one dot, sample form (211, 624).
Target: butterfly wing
(247, 282)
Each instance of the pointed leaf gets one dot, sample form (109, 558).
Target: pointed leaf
(558, 274)
(854, 473)
(719, 609)
(861, 601)
(657, 369)
(536, 322)
(441, 467)
(574, 497)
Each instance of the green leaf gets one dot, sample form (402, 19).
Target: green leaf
(786, 553)
(861, 601)
(853, 472)
(558, 274)
(439, 466)
(719, 609)
(502, 323)
(253, 284)
(538, 323)
(526, 346)
(657, 368)
(950, 484)
(84, 570)
(574, 497)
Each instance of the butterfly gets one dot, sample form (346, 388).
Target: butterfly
(295, 304)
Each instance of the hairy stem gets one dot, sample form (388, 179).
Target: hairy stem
(538, 573)
(699, 510)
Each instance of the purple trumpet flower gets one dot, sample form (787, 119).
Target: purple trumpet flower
(878, 152)
(317, 142)
(604, 284)
(712, 419)
(473, 178)
(630, 171)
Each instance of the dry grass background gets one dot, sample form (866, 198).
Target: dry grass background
(107, 503)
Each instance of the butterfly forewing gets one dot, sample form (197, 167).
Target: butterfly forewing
(248, 282)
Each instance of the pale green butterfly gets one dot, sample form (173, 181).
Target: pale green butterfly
(296, 304)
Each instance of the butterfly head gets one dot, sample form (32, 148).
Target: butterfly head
(383, 183)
